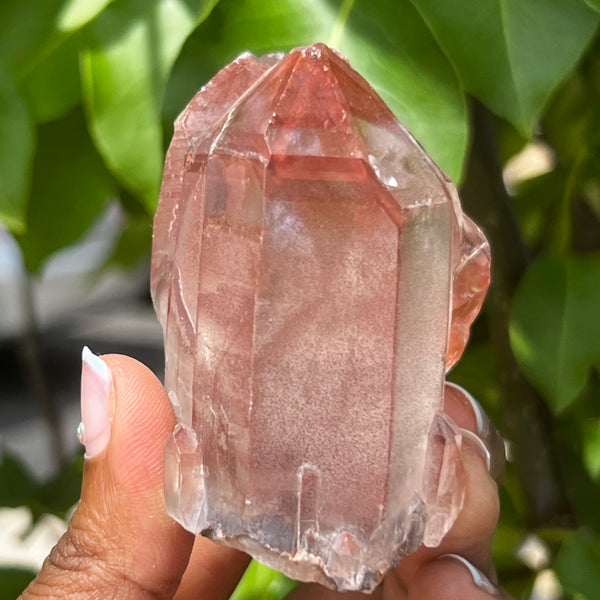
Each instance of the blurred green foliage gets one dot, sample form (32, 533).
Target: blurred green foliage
(88, 93)
(262, 583)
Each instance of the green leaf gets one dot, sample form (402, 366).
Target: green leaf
(261, 583)
(576, 565)
(510, 141)
(554, 329)
(16, 150)
(58, 495)
(511, 54)
(17, 485)
(70, 188)
(595, 4)
(572, 436)
(13, 581)
(386, 41)
(507, 540)
(52, 84)
(74, 14)
(536, 202)
(134, 243)
(124, 71)
(567, 116)
(25, 26)
(590, 436)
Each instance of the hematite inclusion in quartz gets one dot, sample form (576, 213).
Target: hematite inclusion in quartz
(315, 278)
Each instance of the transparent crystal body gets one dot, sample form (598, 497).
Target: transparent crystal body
(315, 278)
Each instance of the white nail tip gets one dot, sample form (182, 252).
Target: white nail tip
(479, 579)
(475, 439)
(96, 364)
(96, 407)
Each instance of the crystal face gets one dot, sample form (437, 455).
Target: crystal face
(315, 277)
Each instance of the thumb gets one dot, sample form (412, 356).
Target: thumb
(120, 542)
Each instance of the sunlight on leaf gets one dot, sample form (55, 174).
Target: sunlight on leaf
(387, 42)
(590, 444)
(390, 45)
(16, 151)
(339, 25)
(511, 55)
(261, 583)
(595, 4)
(124, 73)
(522, 346)
(70, 188)
(74, 14)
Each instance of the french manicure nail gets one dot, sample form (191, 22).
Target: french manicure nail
(96, 408)
(479, 579)
(476, 441)
(480, 417)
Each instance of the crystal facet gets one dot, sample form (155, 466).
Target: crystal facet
(315, 278)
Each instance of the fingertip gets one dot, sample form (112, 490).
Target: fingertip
(143, 420)
(474, 527)
(477, 428)
(213, 571)
(468, 437)
(450, 577)
(477, 521)
(128, 477)
(478, 578)
(458, 405)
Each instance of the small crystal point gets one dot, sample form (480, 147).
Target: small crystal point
(315, 277)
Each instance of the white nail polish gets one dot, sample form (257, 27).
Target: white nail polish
(96, 407)
(478, 442)
(479, 579)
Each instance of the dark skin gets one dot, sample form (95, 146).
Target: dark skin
(120, 542)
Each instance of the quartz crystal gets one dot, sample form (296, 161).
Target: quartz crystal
(315, 278)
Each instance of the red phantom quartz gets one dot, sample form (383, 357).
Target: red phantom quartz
(315, 278)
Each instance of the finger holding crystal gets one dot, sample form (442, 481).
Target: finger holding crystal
(481, 426)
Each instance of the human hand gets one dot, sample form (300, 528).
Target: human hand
(121, 544)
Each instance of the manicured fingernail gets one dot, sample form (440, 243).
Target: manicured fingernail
(479, 579)
(480, 416)
(477, 442)
(96, 406)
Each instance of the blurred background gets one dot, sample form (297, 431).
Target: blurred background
(504, 96)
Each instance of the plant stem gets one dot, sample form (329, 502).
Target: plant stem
(527, 421)
(29, 351)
